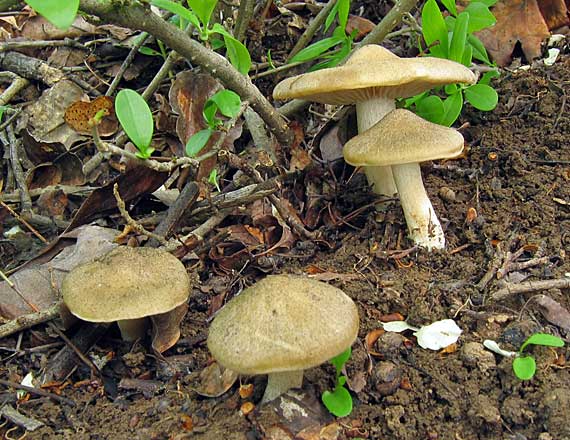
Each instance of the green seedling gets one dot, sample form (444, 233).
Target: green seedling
(453, 38)
(339, 401)
(199, 14)
(136, 119)
(225, 102)
(524, 365)
(59, 13)
(332, 49)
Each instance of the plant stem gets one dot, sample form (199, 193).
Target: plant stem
(245, 14)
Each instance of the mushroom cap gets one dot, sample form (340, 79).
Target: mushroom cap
(402, 137)
(283, 323)
(126, 283)
(372, 72)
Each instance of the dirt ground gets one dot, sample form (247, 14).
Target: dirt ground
(505, 203)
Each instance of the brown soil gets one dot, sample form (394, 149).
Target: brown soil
(516, 176)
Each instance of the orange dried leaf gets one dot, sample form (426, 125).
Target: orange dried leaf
(79, 116)
(246, 390)
(246, 408)
(555, 13)
(371, 339)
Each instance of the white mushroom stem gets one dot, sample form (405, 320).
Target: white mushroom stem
(133, 329)
(279, 383)
(423, 225)
(369, 113)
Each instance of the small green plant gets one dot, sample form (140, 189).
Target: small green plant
(453, 38)
(199, 14)
(136, 119)
(524, 365)
(339, 401)
(334, 48)
(59, 13)
(225, 102)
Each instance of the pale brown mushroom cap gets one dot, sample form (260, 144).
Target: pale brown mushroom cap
(402, 137)
(282, 323)
(127, 283)
(371, 72)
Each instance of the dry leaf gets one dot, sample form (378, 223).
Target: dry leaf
(363, 25)
(517, 21)
(554, 312)
(555, 13)
(79, 116)
(215, 380)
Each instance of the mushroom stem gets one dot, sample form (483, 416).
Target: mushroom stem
(132, 329)
(279, 383)
(423, 225)
(369, 113)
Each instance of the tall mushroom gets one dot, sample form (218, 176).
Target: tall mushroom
(126, 285)
(281, 326)
(402, 140)
(372, 78)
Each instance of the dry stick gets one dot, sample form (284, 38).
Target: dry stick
(530, 286)
(24, 221)
(284, 211)
(24, 322)
(17, 84)
(14, 197)
(245, 14)
(30, 68)
(312, 29)
(25, 44)
(126, 63)
(136, 16)
(37, 391)
(12, 147)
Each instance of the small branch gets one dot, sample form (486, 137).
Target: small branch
(24, 322)
(126, 63)
(37, 391)
(131, 222)
(389, 22)
(136, 16)
(312, 29)
(26, 44)
(17, 84)
(8, 139)
(245, 14)
(30, 68)
(530, 286)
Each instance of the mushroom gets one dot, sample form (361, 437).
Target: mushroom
(402, 140)
(372, 78)
(126, 285)
(281, 326)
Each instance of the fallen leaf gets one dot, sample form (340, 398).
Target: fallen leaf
(79, 116)
(38, 28)
(517, 21)
(371, 338)
(166, 328)
(363, 25)
(554, 312)
(555, 13)
(215, 380)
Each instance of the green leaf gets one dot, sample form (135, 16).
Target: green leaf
(430, 108)
(236, 51)
(179, 10)
(3, 108)
(467, 55)
(228, 103)
(338, 402)
(340, 359)
(203, 9)
(479, 51)
(145, 50)
(434, 29)
(343, 9)
(487, 3)
(315, 50)
(524, 367)
(450, 6)
(59, 13)
(488, 76)
(213, 179)
(482, 97)
(452, 106)
(330, 18)
(459, 37)
(543, 339)
(135, 117)
(198, 141)
(479, 17)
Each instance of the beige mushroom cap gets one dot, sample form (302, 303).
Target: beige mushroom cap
(371, 72)
(402, 137)
(127, 283)
(282, 323)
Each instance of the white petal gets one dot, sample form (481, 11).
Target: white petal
(438, 335)
(494, 347)
(397, 326)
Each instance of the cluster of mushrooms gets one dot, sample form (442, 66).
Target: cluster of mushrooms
(391, 142)
(280, 326)
(285, 324)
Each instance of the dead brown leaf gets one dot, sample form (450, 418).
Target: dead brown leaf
(555, 13)
(517, 21)
(554, 312)
(215, 380)
(363, 25)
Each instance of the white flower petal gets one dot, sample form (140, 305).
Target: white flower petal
(438, 335)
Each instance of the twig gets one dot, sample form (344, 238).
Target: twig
(131, 222)
(9, 141)
(25, 221)
(194, 238)
(312, 29)
(389, 22)
(24, 322)
(136, 16)
(17, 84)
(126, 63)
(530, 286)
(30, 68)
(37, 391)
(245, 14)
(26, 44)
